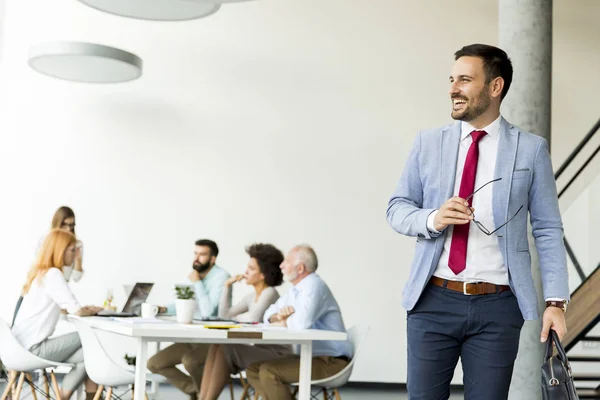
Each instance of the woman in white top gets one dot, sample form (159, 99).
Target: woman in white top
(45, 293)
(64, 218)
(263, 273)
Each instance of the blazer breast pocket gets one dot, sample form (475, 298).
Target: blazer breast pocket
(521, 173)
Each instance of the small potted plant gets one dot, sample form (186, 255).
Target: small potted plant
(185, 305)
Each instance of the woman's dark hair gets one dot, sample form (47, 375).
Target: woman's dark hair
(214, 250)
(495, 63)
(268, 258)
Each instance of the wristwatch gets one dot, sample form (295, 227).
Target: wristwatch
(562, 304)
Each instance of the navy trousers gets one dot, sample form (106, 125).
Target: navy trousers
(482, 330)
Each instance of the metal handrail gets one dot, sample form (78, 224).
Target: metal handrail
(562, 169)
(577, 150)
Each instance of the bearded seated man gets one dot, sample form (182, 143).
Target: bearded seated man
(208, 281)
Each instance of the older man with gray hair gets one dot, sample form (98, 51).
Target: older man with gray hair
(309, 304)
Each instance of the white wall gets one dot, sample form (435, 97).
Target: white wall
(276, 121)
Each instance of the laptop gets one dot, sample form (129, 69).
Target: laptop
(133, 306)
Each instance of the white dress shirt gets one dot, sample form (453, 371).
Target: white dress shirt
(484, 259)
(314, 308)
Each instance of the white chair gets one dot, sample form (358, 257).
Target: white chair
(357, 335)
(100, 367)
(22, 363)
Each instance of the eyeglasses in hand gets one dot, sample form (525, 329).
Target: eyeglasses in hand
(479, 225)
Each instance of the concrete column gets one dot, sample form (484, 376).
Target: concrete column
(525, 33)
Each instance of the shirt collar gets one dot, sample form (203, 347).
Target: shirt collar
(493, 129)
(304, 282)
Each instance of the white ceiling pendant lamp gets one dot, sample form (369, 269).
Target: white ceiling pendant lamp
(156, 10)
(84, 62)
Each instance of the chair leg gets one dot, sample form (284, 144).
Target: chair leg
(99, 392)
(325, 394)
(337, 394)
(146, 396)
(245, 394)
(30, 382)
(12, 377)
(109, 393)
(46, 385)
(55, 386)
(231, 388)
(19, 386)
(14, 385)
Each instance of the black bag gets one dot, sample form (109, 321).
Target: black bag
(557, 380)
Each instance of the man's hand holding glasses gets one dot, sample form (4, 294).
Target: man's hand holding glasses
(456, 211)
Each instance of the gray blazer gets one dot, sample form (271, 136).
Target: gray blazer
(523, 163)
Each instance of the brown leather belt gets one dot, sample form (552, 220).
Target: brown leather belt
(469, 288)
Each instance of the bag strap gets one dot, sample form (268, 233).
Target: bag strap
(562, 355)
(550, 345)
(559, 348)
(17, 307)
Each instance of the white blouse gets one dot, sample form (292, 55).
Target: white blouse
(40, 310)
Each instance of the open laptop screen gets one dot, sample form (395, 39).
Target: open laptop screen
(138, 295)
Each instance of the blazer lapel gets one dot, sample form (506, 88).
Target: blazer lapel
(449, 142)
(505, 164)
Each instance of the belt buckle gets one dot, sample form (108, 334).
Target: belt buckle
(465, 288)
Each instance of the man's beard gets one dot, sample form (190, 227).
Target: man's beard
(478, 106)
(292, 276)
(200, 268)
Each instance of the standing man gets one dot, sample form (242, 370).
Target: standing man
(208, 280)
(465, 193)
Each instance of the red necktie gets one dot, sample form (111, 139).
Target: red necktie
(457, 260)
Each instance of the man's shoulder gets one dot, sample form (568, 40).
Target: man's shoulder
(221, 272)
(434, 133)
(525, 137)
(314, 283)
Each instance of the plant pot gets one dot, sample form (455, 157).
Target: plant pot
(185, 309)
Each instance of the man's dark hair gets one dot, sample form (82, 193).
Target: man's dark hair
(214, 250)
(495, 63)
(268, 258)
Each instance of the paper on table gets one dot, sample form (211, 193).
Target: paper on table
(266, 327)
(140, 320)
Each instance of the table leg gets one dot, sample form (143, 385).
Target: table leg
(140, 369)
(305, 370)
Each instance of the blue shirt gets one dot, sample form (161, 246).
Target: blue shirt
(314, 308)
(208, 293)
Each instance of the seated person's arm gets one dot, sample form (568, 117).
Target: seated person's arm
(57, 288)
(306, 311)
(225, 308)
(266, 299)
(271, 316)
(208, 297)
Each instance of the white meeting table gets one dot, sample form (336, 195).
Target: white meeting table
(165, 329)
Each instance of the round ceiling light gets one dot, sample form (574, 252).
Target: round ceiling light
(155, 10)
(84, 62)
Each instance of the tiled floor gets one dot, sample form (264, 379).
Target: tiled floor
(167, 392)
